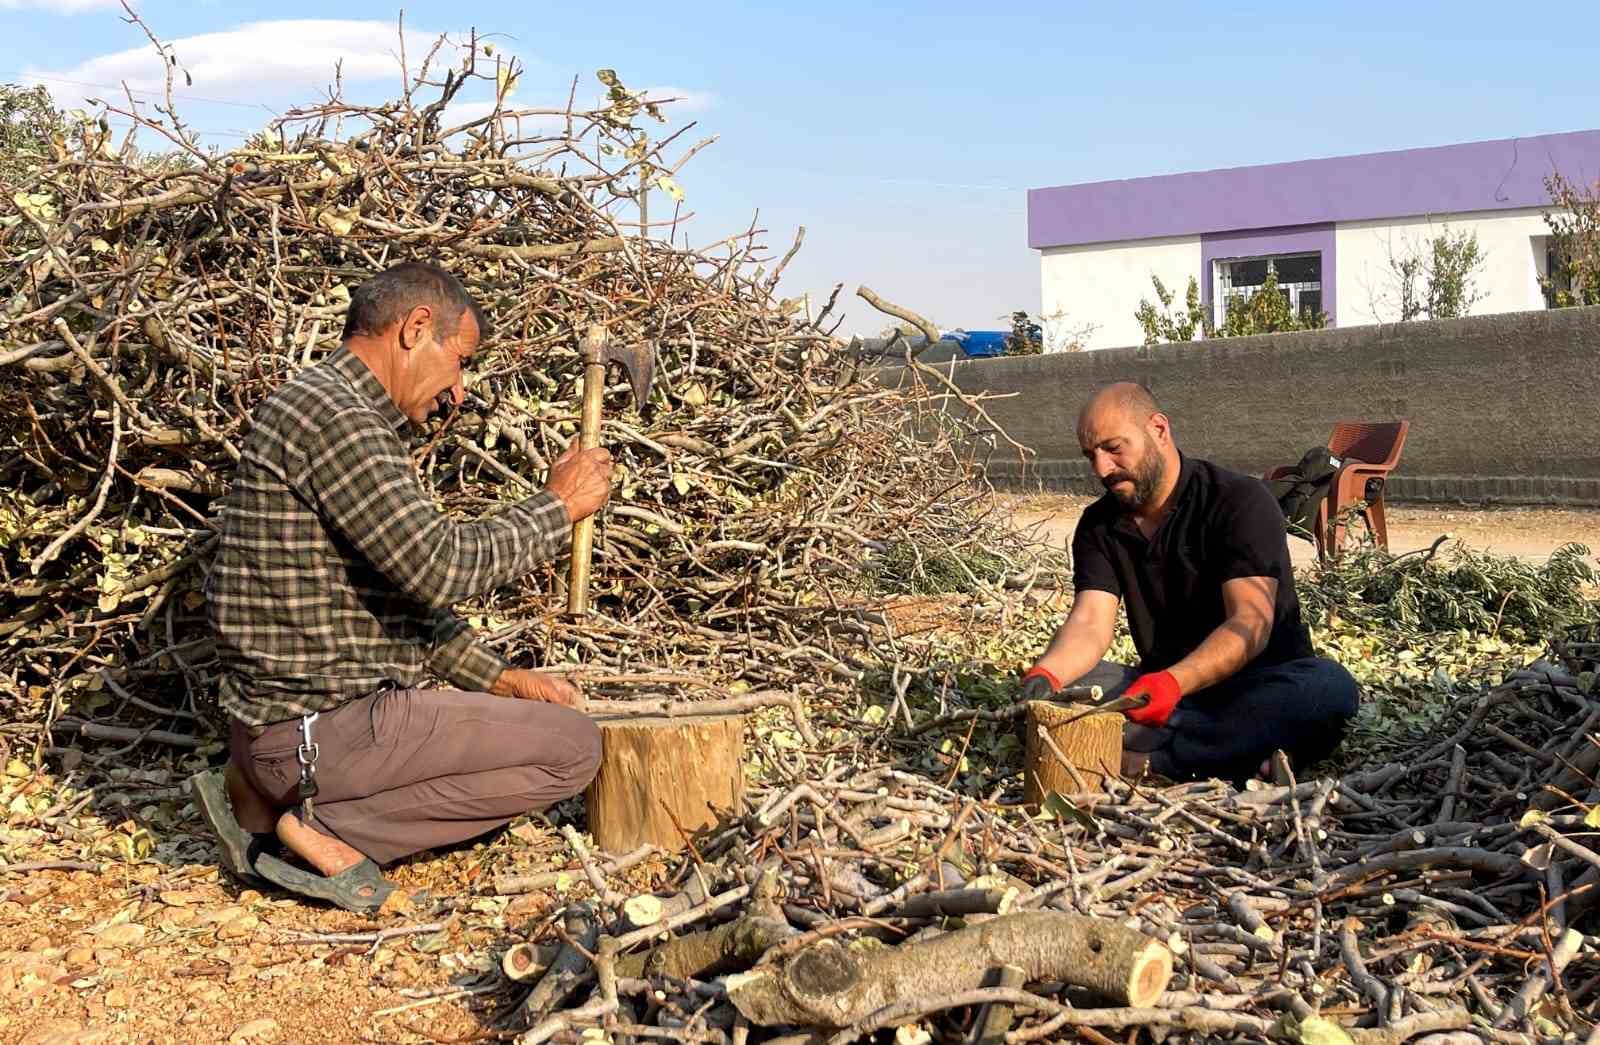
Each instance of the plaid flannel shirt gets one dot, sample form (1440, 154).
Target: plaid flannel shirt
(335, 570)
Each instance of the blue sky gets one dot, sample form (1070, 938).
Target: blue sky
(902, 136)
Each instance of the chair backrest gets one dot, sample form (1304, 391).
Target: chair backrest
(1372, 442)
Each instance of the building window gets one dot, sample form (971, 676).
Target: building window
(1299, 276)
(1555, 281)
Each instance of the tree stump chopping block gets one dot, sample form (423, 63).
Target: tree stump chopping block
(656, 769)
(1090, 740)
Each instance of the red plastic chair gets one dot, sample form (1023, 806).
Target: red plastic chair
(1369, 452)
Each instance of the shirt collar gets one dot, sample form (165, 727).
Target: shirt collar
(1182, 490)
(1185, 478)
(349, 365)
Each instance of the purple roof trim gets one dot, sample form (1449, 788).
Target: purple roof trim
(1478, 176)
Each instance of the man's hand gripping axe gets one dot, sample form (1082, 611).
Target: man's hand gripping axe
(598, 353)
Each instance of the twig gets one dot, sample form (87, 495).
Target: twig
(88, 519)
(373, 939)
(50, 865)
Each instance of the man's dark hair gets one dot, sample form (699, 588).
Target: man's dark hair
(384, 300)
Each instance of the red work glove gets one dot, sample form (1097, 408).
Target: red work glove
(1164, 693)
(1039, 684)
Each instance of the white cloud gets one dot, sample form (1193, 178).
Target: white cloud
(60, 7)
(459, 112)
(250, 62)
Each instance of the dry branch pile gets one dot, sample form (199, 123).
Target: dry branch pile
(149, 303)
(1438, 901)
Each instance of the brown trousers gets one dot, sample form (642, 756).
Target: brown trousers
(401, 771)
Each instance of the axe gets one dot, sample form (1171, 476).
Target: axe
(597, 353)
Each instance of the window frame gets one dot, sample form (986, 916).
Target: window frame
(1551, 272)
(1222, 284)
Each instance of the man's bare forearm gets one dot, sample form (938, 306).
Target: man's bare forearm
(1235, 642)
(1074, 651)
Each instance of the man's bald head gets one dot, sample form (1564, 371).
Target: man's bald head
(1127, 441)
(1124, 400)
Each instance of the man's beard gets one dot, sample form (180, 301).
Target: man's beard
(1145, 476)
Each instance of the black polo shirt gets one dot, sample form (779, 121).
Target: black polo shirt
(1221, 525)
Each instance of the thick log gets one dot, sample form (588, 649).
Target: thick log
(697, 956)
(1091, 742)
(958, 903)
(663, 777)
(525, 961)
(569, 967)
(832, 985)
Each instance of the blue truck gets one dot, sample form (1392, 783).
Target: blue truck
(978, 344)
(952, 344)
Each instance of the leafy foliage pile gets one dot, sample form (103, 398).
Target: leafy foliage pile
(1418, 594)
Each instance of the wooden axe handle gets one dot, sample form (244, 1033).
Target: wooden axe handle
(594, 386)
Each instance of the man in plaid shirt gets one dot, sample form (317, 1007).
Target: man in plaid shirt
(329, 601)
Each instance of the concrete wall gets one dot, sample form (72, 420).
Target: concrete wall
(1512, 243)
(1094, 290)
(1502, 408)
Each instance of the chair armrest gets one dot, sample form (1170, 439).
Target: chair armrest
(1350, 481)
(1360, 469)
(1363, 468)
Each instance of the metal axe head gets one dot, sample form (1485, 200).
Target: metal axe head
(638, 359)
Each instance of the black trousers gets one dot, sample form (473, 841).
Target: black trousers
(1227, 730)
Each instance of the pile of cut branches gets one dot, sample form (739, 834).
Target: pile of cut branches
(1442, 900)
(151, 301)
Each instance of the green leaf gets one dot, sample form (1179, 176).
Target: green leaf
(1061, 809)
(338, 221)
(1592, 818)
(431, 943)
(1319, 1030)
(670, 187)
(136, 845)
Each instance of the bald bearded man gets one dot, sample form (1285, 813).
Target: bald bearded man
(1200, 557)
